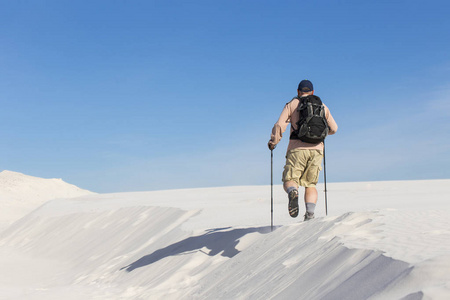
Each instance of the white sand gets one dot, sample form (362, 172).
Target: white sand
(20, 194)
(381, 240)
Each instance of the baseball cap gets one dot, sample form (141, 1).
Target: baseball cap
(305, 86)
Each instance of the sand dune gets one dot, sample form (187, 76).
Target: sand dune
(378, 242)
(20, 194)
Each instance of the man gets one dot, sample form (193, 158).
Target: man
(303, 160)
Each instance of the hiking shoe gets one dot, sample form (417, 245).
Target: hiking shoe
(308, 216)
(293, 203)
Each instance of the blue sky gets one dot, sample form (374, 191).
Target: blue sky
(143, 95)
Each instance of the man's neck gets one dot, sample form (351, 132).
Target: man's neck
(301, 95)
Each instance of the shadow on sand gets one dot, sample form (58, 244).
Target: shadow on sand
(216, 240)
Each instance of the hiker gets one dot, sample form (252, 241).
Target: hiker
(305, 150)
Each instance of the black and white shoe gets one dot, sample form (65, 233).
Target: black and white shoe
(308, 216)
(293, 203)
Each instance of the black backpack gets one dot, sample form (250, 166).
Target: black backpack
(312, 126)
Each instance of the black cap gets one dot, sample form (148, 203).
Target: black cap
(305, 86)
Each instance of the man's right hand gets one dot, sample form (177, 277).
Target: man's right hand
(271, 145)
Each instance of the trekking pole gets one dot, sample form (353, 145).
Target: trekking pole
(271, 190)
(325, 179)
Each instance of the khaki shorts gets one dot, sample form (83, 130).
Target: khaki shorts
(303, 167)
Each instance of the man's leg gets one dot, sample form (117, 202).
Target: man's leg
(289, 185)
(295, 164)
(291, 188)
(309, 180)
(310, 202)
(311, 195)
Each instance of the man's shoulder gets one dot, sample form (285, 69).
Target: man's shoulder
(296, 98)
(294, 102)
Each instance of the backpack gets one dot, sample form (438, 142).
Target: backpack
(312, 126)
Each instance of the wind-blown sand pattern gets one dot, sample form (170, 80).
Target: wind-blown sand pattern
(376, 243)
